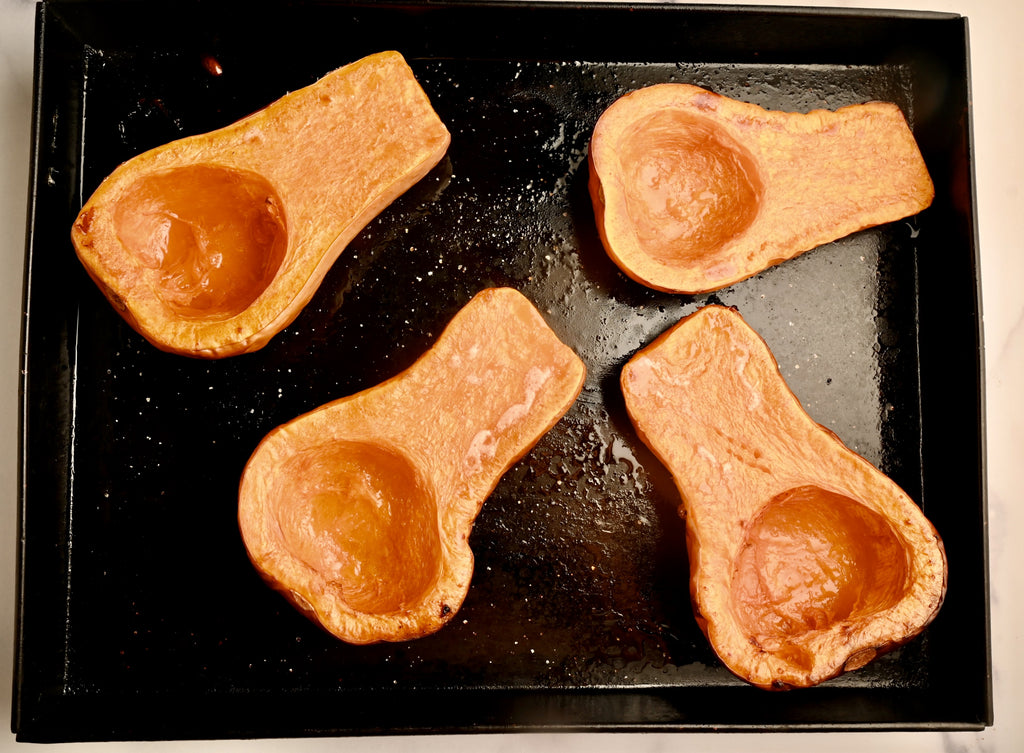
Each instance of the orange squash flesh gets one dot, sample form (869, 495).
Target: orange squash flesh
(694, 191)
(805, 560)
(360, 511)
(210, 245)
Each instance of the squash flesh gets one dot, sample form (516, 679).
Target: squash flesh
(689, 188)
(213, 237)
(812, 558)
(360, 514)
(752, 187)
(759, 479)
(306, 172)
(360, 511)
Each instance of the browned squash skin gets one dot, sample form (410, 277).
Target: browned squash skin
(694, 191)
(805, 560)
(360, 511)
(210, 245)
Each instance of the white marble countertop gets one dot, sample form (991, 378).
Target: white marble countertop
(997, 62)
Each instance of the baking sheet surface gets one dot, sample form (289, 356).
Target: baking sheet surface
(136, 591)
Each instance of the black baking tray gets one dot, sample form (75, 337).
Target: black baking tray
(139, 615)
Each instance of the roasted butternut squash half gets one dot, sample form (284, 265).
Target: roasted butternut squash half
(694, 191)
(210, 245)
(360, 511)
(805, 560)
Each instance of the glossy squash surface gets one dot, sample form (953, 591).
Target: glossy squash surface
(805, 560)
(360, 511)
(693, 191)
(212, 244)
